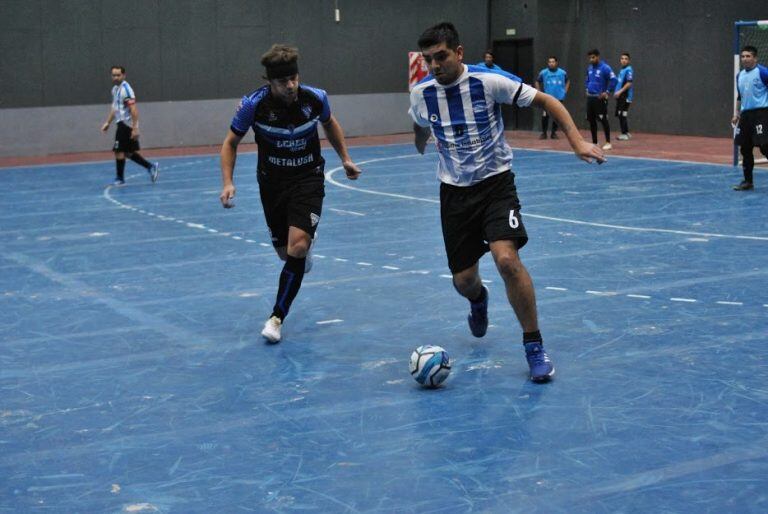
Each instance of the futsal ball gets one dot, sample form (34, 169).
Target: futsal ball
(430, 365)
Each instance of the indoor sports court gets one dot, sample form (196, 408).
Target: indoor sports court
(133, 374)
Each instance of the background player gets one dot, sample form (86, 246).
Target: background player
(124, 110)
(553, 81)
(751, 117)
(625, 89)
(479, 208)
(600, 82)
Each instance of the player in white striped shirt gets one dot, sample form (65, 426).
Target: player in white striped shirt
(461, 106)
(124, 110)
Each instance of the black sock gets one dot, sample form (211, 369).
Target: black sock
(141, 161)
(290, 282)
(624, 124)
(748, 163)
(481, 298)
(532, 337)
(120, 167)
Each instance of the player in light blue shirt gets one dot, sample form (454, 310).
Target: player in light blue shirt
(624, 93)
(488, 61)
(553, 81)
(751, 117)
(461, 107)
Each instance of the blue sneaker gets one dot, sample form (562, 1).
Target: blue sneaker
(478, 316)
(538, 360)
(154, 171)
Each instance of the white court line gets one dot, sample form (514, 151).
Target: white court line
(556, 288)
(730, 303)
(641, 296)
(394, 268)
(342, 211)
(329, 321)
(685, 300)
(330, 179)
(364, 264)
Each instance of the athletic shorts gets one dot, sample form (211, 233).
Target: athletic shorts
(622, 106)
(292, 201)
(753, 128)
(596, 107)
(123, 141)
(474, 216)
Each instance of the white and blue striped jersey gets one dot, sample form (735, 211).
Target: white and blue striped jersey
(465, 118)
(122, 99)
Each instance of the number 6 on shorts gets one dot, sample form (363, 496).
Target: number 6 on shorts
(513, 221)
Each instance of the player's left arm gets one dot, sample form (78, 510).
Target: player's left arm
(335, 136)
(584, 150)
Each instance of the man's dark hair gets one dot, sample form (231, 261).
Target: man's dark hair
(553, 57)
(279, 54)
(121, 68)
(443, 32)
(594, 52)
(751, 49)
(488, 52)
(627, 54)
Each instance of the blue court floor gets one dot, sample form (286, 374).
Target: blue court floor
(133, 377)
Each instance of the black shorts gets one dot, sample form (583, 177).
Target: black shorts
(123, 141)
(596, 107)
(476, 215)
(753, 128)
(622, 106)
(292, 201)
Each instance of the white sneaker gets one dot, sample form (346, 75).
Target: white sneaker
(623, 137)
(271, 330)
(607, 146)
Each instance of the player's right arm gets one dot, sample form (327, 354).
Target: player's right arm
(583, 150)
(421, 125)
(228, 158)
(110, 117)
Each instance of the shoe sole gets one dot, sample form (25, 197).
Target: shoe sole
(545, 378)
(270, 339)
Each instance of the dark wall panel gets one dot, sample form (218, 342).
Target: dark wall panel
(59, 52)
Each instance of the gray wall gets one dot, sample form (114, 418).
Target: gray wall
(681, 52)
(59, 52)
(174, 124)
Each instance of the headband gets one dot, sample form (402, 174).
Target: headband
(285, 69)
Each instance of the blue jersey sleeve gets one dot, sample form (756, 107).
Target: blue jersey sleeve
(325, 115)
(540, 78)
(763, 73)
(243, 117)
(612, 79)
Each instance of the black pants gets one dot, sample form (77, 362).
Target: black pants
(748, 160)
(597, 109)
(545, 124)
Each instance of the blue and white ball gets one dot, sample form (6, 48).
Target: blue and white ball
(430, 365)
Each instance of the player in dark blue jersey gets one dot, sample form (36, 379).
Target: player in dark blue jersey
(601, 81)
(284, 115)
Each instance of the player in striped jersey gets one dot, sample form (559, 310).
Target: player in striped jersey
(461, 106)
(127, 135)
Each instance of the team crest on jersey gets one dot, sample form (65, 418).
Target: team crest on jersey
(272, 116)
(433, 118)
(306, 109)
(314, 219)
(478, 107)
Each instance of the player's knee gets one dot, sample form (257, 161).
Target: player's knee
(509, 265)
(298, 249)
